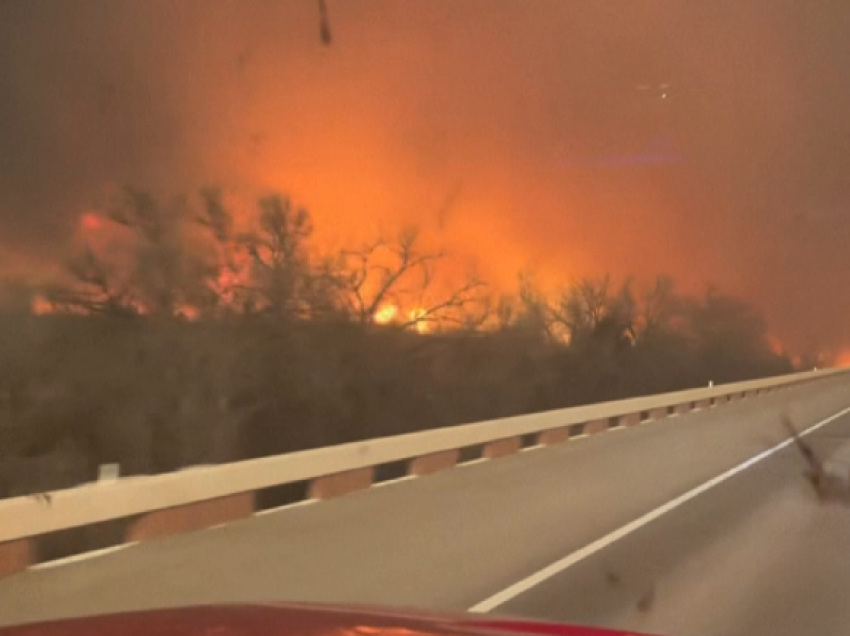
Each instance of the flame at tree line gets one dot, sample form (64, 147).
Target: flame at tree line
(386, 314)
(116, 251)
(493, 124)
(390, 283)
(180, 334)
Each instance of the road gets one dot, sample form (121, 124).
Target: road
(756, 554)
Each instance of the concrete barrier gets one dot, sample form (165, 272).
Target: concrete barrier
(15, 556)
(197, 516)
(682, 409)
(341, 483)
(434, 462)
(502, 448)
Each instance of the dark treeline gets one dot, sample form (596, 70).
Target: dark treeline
(181, 340)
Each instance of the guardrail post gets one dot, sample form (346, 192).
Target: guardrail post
(554, 436)
(435, 462)
(596, 426)
(658, 413)
(191, 517)
(502, 448)
(161, 505)
(342, 483)
(15, 556)
(630, 419)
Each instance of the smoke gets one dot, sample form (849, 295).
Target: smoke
(703, 140)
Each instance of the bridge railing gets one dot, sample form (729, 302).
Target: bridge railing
(202, 496)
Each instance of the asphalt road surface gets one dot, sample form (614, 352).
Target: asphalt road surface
(754, 554)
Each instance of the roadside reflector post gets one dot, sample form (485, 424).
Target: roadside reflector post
(108, 472)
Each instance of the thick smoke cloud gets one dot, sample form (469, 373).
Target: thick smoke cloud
(708, 140)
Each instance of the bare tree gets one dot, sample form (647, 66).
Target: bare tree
(582, 306)
(159, 271)
(286, 280)
(660, 307)
(590, 308)
(401, 275)
(94, 288)
(215, 216)
(229, 285)
(532, 312)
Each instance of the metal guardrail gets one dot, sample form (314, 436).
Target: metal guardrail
(24, 517)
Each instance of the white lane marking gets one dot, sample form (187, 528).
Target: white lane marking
(297, 504)
(472, 462)
(381, 484)
(532, 447)
(549, 571)
(84, 556)
(81, 557)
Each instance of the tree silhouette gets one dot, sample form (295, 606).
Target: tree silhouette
(400, 274)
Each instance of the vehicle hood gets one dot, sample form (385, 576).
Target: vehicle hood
(296, 620)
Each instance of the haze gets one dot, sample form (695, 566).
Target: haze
(706, 140)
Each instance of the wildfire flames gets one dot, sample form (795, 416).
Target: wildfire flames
(386, 315)
(390, 314)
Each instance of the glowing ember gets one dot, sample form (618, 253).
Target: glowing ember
(775, 345)
(386, 314)
(421, 325)
(91, 222)
(41, 306)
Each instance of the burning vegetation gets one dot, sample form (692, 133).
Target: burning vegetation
(178, 336)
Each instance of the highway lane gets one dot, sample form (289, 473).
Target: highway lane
(444, 542)
(757, 555)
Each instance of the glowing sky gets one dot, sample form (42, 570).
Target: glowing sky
(544, 122)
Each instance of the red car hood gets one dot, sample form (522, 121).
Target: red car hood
(295, 620)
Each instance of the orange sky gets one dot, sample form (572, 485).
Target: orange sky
(527, 111)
